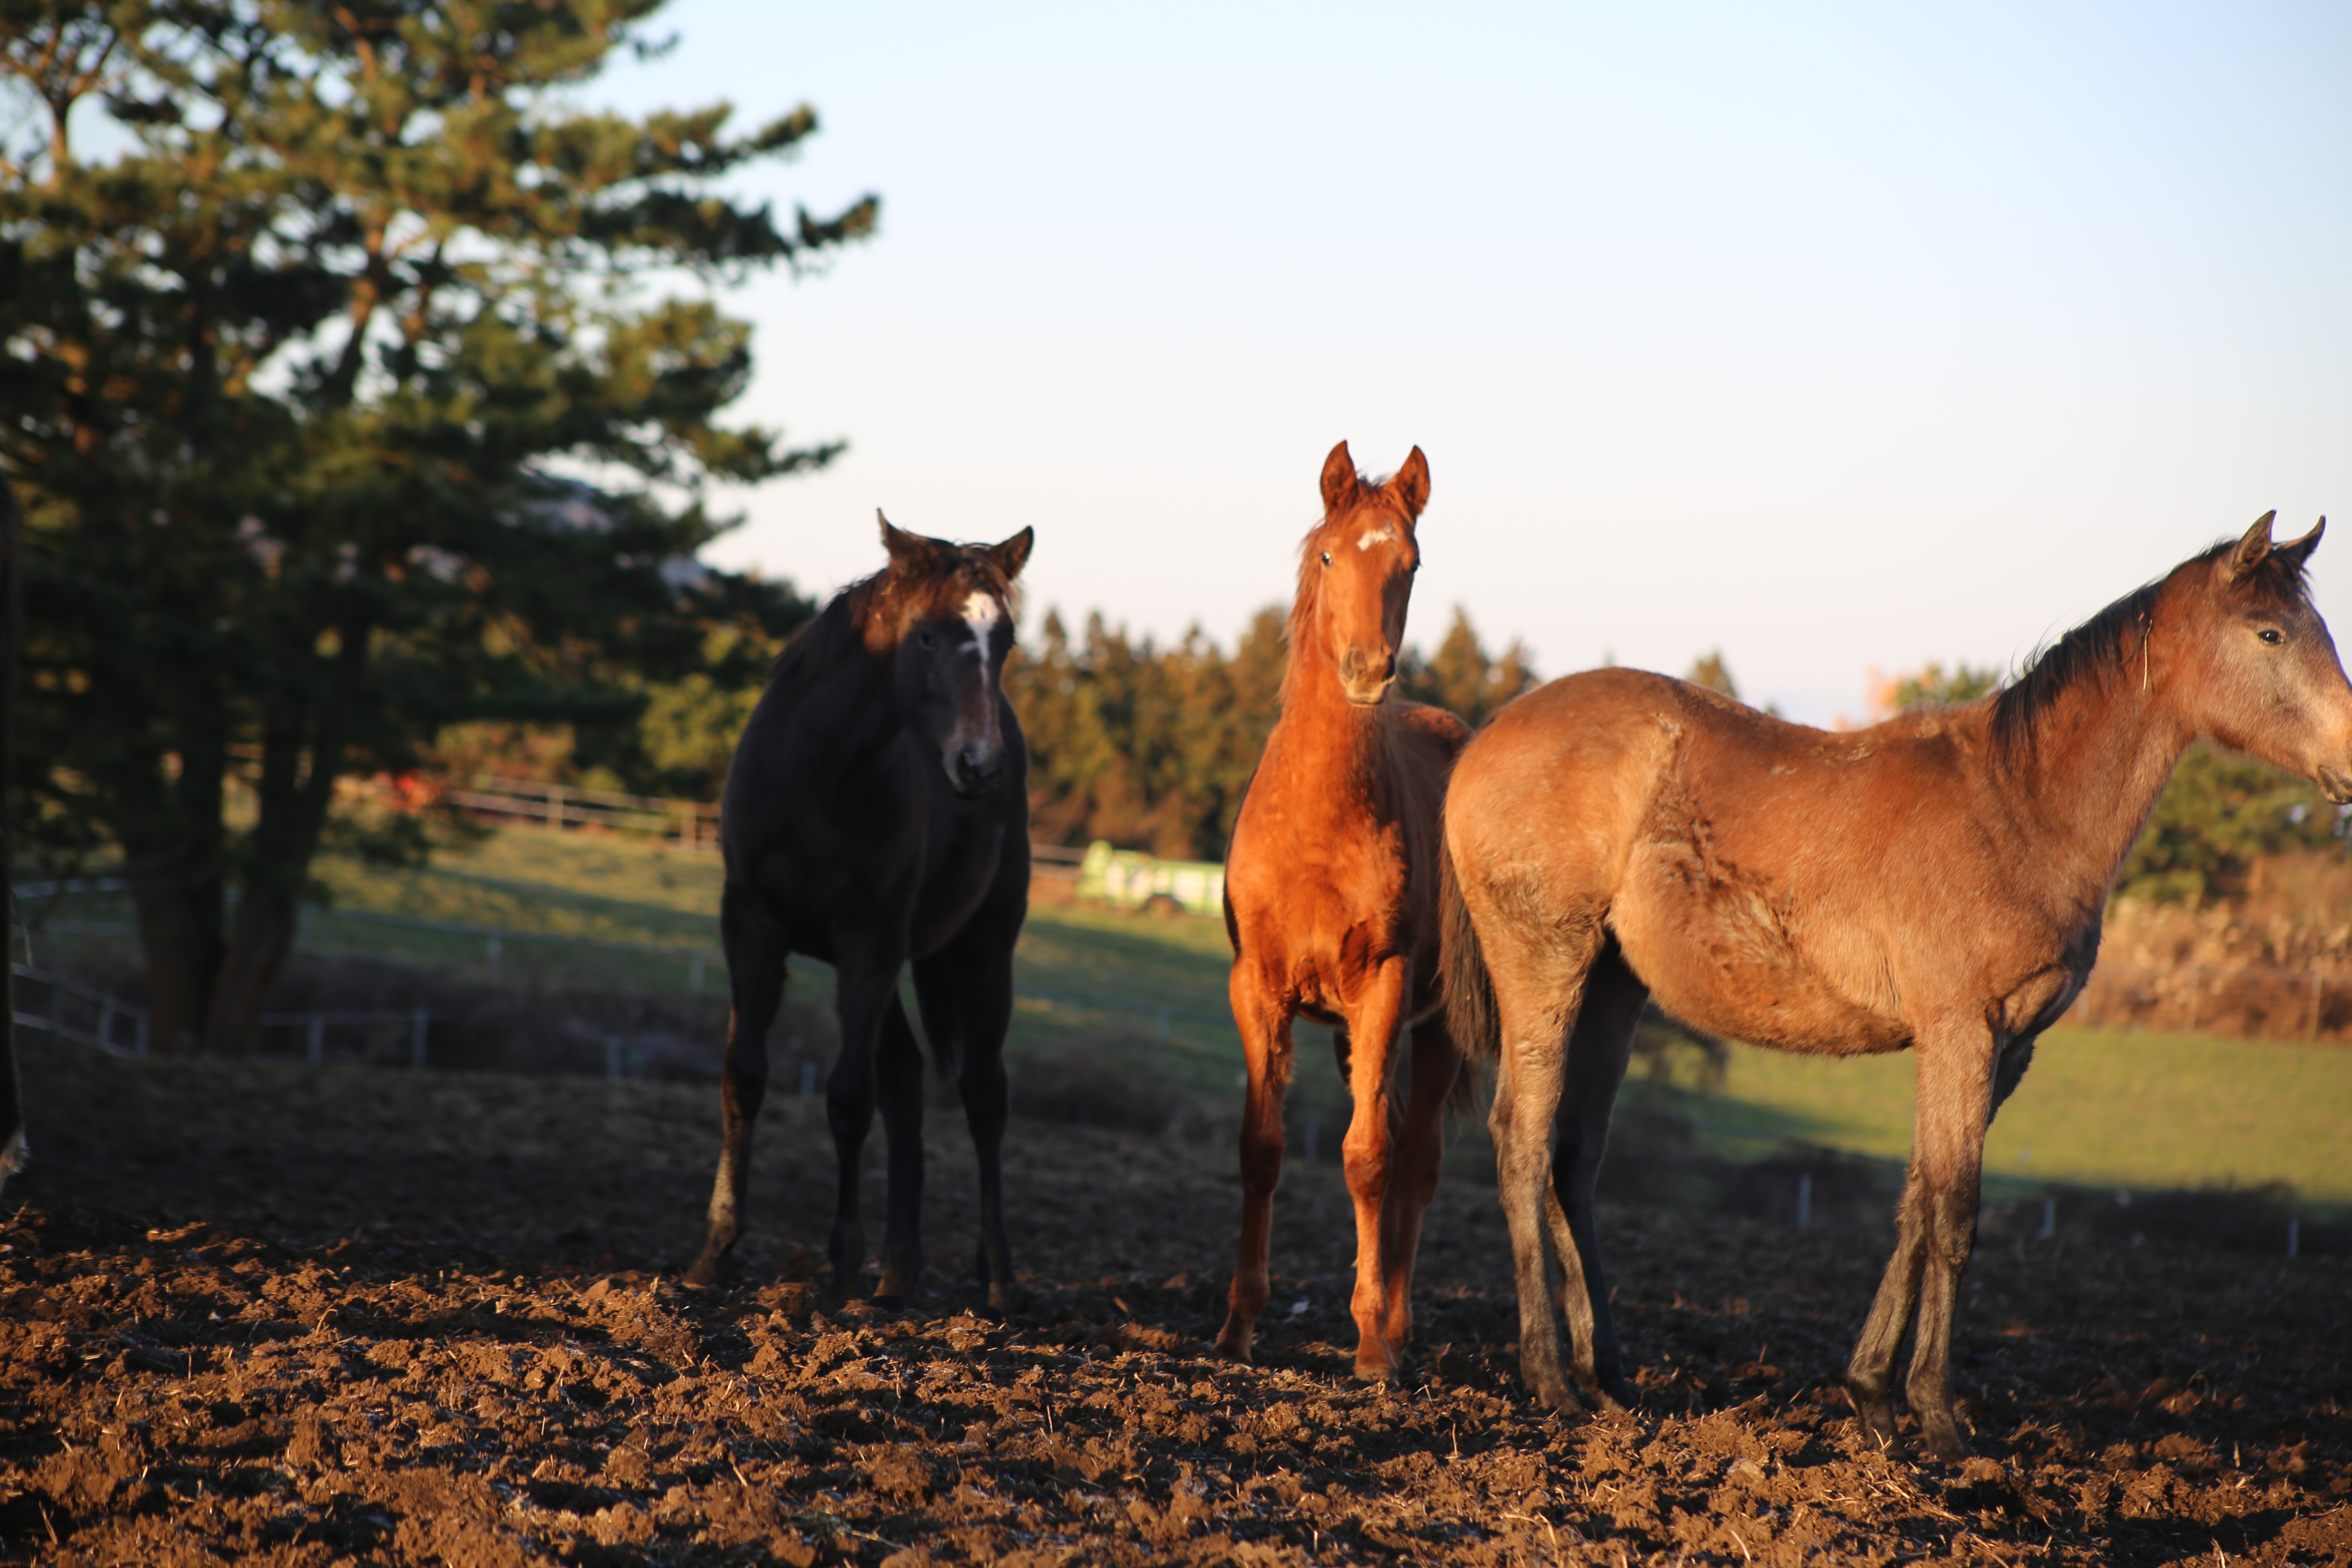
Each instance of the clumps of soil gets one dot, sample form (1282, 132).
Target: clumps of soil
(263, 1313)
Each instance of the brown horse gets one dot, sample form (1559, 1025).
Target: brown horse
(876, 813)
(1331, 901)
(1935, 881)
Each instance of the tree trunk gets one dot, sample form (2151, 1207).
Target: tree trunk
(178, 895)
(11, 1098)
(302, 754)
(172, 835)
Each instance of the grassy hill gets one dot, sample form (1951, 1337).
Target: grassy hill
(1136, 1005)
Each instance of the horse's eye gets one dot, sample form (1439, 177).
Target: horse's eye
(924, 637)
(1327, 558)
(2271, 634)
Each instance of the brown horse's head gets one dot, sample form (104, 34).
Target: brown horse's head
(943, 614)
(1354, 578)
(2269, 683)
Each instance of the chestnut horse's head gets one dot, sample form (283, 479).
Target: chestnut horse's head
(1354, 578)
(2269, 682)
(943, 614)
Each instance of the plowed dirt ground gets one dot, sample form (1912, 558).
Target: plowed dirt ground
(278, 1314)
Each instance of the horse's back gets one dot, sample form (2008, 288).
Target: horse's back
(1751, 870)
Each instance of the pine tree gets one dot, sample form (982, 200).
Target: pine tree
(342, 411)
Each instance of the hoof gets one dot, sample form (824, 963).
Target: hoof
(889, 1303)
(1233, 1342)
(1941, 1441)
(1875, 1415)
(706, 1271)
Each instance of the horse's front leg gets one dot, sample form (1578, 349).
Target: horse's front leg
(1936, 1231)
(899, 1086)
(1263, 1021)
(755, 977)
(865, 982)
(1374, 1025)
(966, 994)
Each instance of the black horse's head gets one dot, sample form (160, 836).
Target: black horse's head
(946, 617)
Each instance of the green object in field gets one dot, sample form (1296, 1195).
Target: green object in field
(1129, 880)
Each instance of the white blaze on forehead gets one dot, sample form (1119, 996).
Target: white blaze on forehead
(1375, 536)
(980, 613)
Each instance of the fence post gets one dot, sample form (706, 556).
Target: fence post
(1804, 1200)
(318, 1051)
(106, 1025)
(491, 947)
(612, 1058)
(139, 1046)
(420, 1024)
(808, 1078)
(2049, 1218)
(2312, 1032)
(2293, 1236)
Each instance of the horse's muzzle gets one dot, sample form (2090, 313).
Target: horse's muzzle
(1366, 675)
(974, 768)
(2336, 786)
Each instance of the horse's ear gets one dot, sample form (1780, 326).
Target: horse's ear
(1013, 554)
(1338, 482)
(2254, 548)
(909, 549)
(1412, 483)
(2295, 552)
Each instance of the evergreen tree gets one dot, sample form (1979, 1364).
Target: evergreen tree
(342, 411)
(1462, 679)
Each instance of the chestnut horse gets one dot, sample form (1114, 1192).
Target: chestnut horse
(876, 813)
(1935, 881)
(1331, 901)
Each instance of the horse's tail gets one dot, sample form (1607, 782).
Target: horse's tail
(13, 1149)
(1470, 1016)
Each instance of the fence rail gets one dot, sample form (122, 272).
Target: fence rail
(554, 805)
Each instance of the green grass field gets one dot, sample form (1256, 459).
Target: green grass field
(2099, 1107)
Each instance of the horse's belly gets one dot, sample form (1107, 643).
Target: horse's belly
(1714, 952)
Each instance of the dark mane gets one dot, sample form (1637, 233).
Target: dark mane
(817, 647)
(2109, 645)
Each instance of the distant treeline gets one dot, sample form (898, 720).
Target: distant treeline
(1151, 747)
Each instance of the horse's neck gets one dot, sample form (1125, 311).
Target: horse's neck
(2098, 762)
(1325, 743)
(868, 701)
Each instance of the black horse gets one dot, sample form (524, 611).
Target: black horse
(878, 812)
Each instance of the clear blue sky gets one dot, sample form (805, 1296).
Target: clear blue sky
(1833, 337)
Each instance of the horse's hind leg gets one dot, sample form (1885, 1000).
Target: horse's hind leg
(1537, 995)
(1420, 1153)
(1265, 1027)
(1597, 1051)
(899, 1089)
(755, 976)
